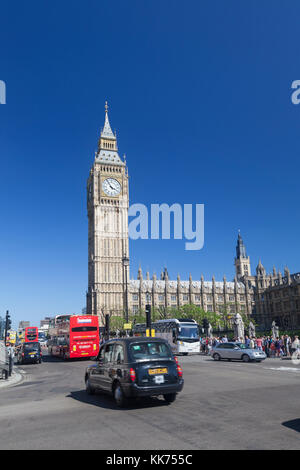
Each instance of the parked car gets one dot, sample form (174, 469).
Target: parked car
(29, 352)
(236, 351)
(135, 367)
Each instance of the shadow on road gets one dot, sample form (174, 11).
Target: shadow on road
(107, 402)
(51, 359)
(294, 424)
(48, 358)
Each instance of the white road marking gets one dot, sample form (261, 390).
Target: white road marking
(283, 369)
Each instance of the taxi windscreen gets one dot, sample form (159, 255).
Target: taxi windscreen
(150, 350)
(31, 346)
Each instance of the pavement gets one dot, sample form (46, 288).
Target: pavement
(224, 405)
(15, 378)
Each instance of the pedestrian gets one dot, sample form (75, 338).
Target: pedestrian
(295, 344)
(272, 348)
(259, 342)
(251, 343)
(11, 355)
(247, 341)
(267, 346)
(277, 347)
(287, 345)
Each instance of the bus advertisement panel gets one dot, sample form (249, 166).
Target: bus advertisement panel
(75, 336)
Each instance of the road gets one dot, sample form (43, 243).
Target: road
(227, 405)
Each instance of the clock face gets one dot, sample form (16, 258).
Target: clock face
(111, 187)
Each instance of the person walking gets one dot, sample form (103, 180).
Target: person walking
(287, 345)
(11, 356)
(259, 343)
(247, 341)
(295, 344)
(272, 348)
(277, 347)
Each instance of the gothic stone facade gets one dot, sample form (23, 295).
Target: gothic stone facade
(212, 296)
(277, 297)
(108, 247)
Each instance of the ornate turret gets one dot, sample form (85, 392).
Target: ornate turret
(287, 274)
(240, 248)
(242, 261)
(140, 274)
(164, 275)
(260, 270)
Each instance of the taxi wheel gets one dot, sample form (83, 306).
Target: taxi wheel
(170, 397)
(89, 389)
(119, 396)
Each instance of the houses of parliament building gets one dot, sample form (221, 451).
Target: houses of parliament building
(265, 297)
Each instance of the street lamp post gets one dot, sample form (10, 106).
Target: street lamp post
(125, 261)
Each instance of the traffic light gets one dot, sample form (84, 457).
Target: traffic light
(148, 316)
(7, 322)
(107, 326)
(205, 324)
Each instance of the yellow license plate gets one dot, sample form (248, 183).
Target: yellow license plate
(158, 371)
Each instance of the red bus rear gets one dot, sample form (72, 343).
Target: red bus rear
(84, 336)
(31, 334)
(74, 337)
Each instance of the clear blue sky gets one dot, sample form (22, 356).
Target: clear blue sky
(199, 92)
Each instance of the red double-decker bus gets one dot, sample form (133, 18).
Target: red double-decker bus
(74, 336)
(31, 334)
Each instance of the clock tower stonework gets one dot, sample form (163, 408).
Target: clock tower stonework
(107, 204)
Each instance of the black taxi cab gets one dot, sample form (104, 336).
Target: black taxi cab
(29, 352)
(135, 367)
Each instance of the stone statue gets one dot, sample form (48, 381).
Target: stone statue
(209, 331)
(238, 325)
(275, 330)
(251, 330)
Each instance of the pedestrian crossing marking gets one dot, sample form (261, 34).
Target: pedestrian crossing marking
(283, 369)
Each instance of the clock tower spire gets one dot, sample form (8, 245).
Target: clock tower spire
(107, 205)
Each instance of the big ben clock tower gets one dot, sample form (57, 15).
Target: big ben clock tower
(107, 204)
